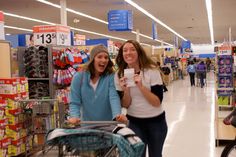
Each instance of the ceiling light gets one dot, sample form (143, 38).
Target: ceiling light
(46, 22)
(100, 34)
(145, 44)
(18, 28)
(210, 20)
(153, 18)
(88, 16)
(28, 18)
(73, 11)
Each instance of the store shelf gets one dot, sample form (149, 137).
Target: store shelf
(223, 114)
(38, 79)
(225, 132)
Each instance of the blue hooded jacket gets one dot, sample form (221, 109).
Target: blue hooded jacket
(103, 104)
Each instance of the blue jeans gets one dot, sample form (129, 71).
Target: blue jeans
(152, 131)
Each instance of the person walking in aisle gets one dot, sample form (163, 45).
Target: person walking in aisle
(208, 64)
(180, 69)
(191, 69)
(201, 72)
(93, 91)
(162, 76)
(143, 99)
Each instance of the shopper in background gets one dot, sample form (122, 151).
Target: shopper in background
(208, 64)
(191, 69)
(180, 69)
(143, 100)
(93, 91)
(201, 72)
(162, 76)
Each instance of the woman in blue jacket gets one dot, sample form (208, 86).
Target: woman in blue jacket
(93, 96)
(191, 69)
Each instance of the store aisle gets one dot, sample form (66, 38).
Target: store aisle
(190, 116)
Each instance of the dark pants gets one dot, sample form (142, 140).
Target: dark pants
(202, 76)
(152, 131)
(192, 79)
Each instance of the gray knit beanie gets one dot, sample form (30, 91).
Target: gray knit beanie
(97, 49)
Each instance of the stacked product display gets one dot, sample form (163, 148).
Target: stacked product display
(14, 137)
(225, 79)
(35, 61)
(224, 92)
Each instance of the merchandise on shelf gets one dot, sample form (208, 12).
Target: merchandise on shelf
(36, 62)
(11, 115)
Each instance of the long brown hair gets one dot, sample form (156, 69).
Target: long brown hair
(144, 61)
(91, 69)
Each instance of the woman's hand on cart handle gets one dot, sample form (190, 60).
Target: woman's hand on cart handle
(122, 118)
(74, 120)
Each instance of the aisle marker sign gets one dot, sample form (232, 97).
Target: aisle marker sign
(52, 35)
(2, 34)
(224, 50)
(120, 20)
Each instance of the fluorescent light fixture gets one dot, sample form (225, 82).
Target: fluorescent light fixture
(18, 28)
(145, 44)
(153, 18)
(90, 17)
(28, 18)
(100, 34)
(73, 11)
(8, 34)
(50, 23)
(160, 41)
(210, 20)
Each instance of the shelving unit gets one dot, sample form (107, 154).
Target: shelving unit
(224, 94)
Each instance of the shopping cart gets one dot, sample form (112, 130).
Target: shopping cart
(95, 139)
(230, 149)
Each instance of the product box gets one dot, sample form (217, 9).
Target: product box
(13, 112)
(13, 120)
(3, 123)
(9, 85)
(3, 152)
(14, 97)
(14, 150)
(5, 142)
(14, 135)
(11, 104)
(24, 87)
(3, 104)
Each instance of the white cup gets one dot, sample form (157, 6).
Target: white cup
(129, 74)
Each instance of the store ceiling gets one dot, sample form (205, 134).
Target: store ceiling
(186, 17)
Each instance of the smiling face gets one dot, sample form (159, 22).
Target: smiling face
(130, 55)
(100, 62)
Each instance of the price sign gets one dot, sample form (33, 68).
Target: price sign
(79, 39)
(224, 50)
(63, 38)
(45, 38)
(51, 35)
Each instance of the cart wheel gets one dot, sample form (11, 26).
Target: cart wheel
(229, 150)
(60, 150)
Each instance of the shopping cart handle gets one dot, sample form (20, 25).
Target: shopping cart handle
(69, 125)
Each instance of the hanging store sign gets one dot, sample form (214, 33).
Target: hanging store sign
(79, 39)
(154, 30)
(52, 35)
(120, 20)
(2, 34)
(224, 50)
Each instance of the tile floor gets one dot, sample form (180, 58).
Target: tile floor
(190, 116)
